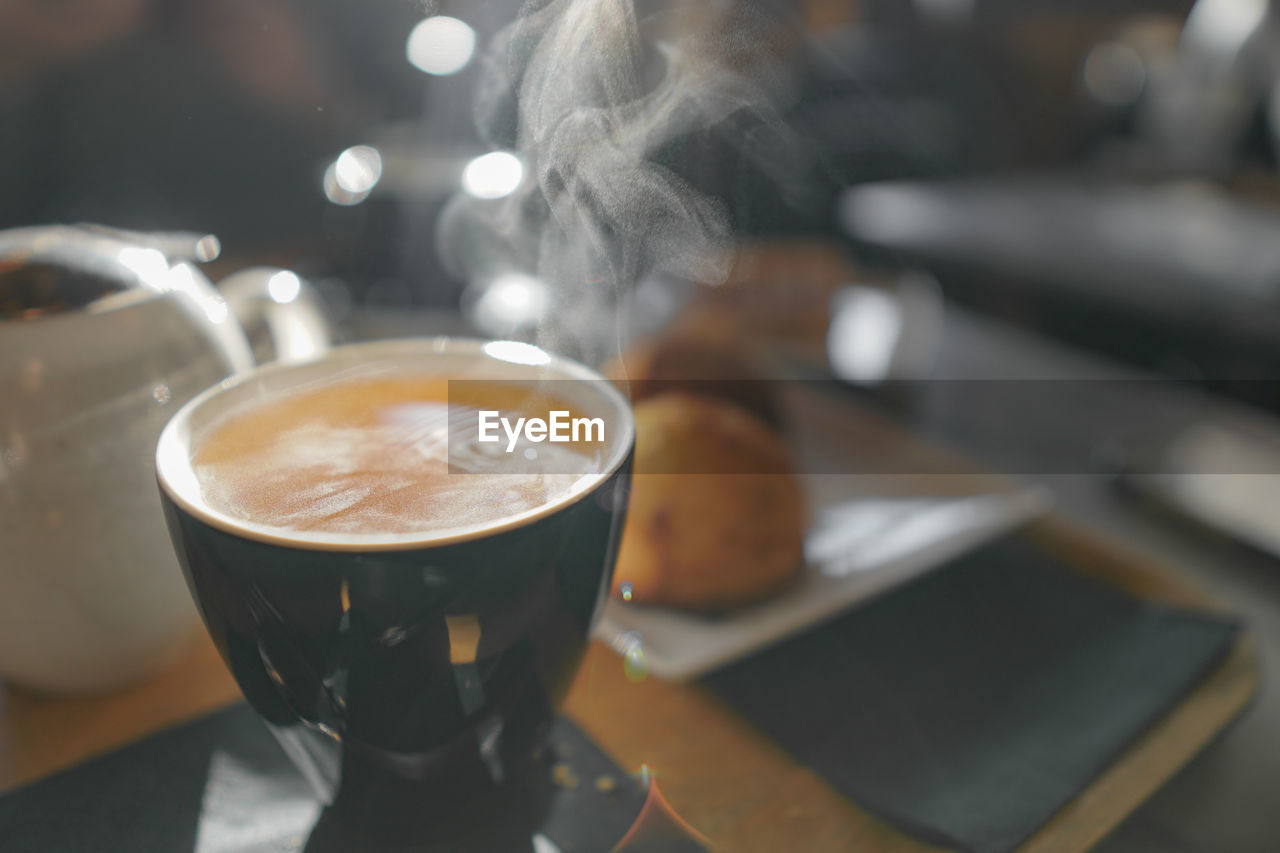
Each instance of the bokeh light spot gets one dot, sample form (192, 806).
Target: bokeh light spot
(440, 45)
(493, 175)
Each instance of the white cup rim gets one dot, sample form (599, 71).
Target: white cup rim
(177, 480)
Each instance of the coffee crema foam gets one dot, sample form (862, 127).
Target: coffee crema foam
(373, 456)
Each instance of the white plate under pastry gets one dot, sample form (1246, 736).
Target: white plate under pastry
(854, 551)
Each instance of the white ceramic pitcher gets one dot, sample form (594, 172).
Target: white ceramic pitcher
(103, 335)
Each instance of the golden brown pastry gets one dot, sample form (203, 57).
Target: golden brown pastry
(717, 515)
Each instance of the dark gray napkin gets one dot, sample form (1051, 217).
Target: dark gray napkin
(222, 784)
(969, 706)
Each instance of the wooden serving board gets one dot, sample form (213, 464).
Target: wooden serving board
(719, 772)
(730, 782)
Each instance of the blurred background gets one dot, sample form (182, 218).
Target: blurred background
(1105, 173)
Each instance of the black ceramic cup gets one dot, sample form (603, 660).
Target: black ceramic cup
(416, 668)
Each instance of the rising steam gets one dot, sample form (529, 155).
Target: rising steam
(595, 98)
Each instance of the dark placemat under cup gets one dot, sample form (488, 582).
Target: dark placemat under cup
(222, 784)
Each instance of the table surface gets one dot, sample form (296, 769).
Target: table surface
(719, 772)
(1224, 800)
(725, 777)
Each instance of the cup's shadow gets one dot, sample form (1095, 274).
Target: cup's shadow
(570, 797)
(452, 813)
